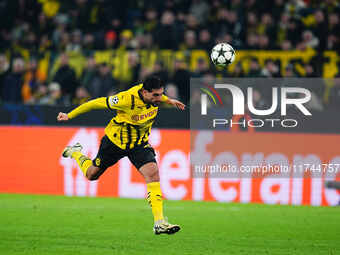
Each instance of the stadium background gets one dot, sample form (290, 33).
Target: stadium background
(58, 54)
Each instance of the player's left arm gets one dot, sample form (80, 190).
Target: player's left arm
(173, 102)
(95, 104)
(116, 102)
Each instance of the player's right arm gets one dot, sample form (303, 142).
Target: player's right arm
(117, 102)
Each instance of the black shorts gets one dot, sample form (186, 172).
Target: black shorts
(109, 154)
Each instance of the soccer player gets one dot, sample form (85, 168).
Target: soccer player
(127, 135)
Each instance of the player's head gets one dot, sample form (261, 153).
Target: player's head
(152, 90)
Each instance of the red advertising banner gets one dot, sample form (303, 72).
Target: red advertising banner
(317, 154)
(32, 163)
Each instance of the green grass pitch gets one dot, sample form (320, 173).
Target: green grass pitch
(73, 225)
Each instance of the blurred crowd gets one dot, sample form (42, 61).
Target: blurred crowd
(31, 27)
(169, 24)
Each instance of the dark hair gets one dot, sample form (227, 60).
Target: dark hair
(152, 82)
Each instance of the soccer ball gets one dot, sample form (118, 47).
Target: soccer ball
(222, 54)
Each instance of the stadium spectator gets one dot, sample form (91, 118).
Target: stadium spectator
(53, 95)
(251, 26)
(110, 40)
(205, 40)
(32, 79)
(252, 41)
(88, 44)
(202, 68)
(166, 34)
(277, 9)
(157, 70)
(282, 29)
(226, 22)
(80, 11)
(94, 19)
(46, 29)
(290, 72)
(12, 84)
(125, 40)
(42, 25)
(151, 21)
(181, 77)
(102, 82)
(258, 101)
(263, 43)
(133, 72)
(82, 96)
(310, 71)
(270, 69)
(286, 45)
(267, 26)
(294, 31)
(199, 9)
(146, 42)
(30, 43)
(171, 91)
(308, 41)
(66, 77)
(333, 40)
(60, 36)
(89, 72)
(190, 41)
(190, 23)
(320, 29)
(45, 45)
(195, 99)
(254, 69)
(315, 102)
(294, 7)
(4, 70)
(334, 98)
(75, 42)
(238, 71)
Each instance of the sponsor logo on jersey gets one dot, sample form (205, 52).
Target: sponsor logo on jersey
(144, 116)
(135, 117)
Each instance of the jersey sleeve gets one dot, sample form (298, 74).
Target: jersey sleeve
(95, 104)
(164, 98)
(118, 101)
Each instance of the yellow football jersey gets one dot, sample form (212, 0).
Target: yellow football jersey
(134, 118)
(132, 124)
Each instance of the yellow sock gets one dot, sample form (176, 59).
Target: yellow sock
(155, 200)
(83, 162)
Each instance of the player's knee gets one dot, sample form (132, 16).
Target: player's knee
(153, 175)
(150, 172)
(92, 177)
(92, 174)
